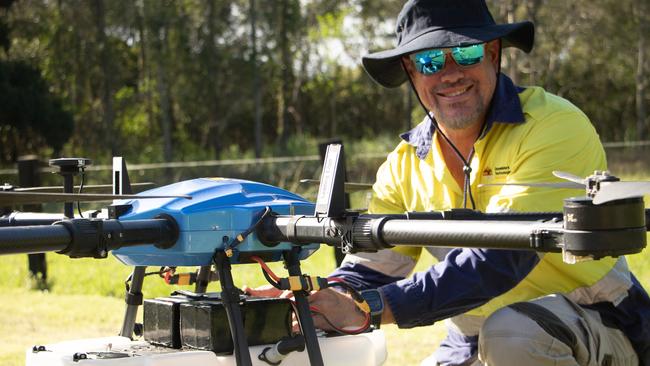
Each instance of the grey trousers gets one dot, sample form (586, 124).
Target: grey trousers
(509, 337)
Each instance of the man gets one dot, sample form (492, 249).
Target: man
(504, 307)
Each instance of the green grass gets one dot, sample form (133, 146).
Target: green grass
(29, 318)
(85, 300)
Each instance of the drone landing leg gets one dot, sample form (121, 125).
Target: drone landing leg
(133, 300)
(202, 279)
(304, 314)
(230, 300)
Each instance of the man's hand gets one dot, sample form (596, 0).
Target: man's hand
(339, 308)
(266, 291)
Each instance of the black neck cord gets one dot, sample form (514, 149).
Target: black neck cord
(467, 169)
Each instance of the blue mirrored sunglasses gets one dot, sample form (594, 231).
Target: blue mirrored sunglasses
(429, 62)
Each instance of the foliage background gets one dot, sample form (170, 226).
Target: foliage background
(161, 80)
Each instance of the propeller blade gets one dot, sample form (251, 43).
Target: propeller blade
(570, 177)
(21, 198)
(349, 187)
(93, 188)
(570, 185)
(610, 191)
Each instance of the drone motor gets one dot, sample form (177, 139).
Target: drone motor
(610, 229)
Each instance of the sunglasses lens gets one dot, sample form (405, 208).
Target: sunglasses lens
(470, 55)
(429, 62)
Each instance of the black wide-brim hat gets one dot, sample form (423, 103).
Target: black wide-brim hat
(425, 24)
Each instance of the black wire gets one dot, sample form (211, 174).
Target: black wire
(234, 241)
(159, 272)
(271, 281)
(337, 329)
(81, 186)
(126, 282)
(267, 211)
(334, 327)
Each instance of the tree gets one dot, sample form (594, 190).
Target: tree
(32, 119)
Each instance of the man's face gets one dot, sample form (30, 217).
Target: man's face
(458, 96)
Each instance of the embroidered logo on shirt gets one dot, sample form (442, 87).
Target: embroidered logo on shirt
(502, 170)
(487, 172)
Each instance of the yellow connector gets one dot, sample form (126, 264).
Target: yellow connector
(363, 305)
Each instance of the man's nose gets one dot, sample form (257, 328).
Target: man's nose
(452, 72)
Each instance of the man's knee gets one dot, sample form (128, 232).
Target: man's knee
(510, 337)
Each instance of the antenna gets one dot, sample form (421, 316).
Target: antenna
(331, 192)
(121, 182)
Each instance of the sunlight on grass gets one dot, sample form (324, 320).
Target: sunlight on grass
(33, 317)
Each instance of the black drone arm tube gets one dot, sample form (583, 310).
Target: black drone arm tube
(29, 219)
(95, 237)
(477, 234)
(33, 239)
(79, 238)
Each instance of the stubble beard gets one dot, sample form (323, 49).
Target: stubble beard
(459, 121)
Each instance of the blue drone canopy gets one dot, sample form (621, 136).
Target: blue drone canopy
(220, 209)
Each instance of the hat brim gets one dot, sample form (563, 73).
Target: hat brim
(386, 69)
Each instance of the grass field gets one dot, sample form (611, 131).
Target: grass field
(85, 300)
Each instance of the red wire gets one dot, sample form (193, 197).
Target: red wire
(167, 275)
(366, 322)
(265, 268)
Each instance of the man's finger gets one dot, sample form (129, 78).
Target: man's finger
(263, 291)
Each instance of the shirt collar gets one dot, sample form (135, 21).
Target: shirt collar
(505, 108)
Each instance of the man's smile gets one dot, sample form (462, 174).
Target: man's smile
(454, 92)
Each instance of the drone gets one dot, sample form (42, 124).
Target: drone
(222, 222)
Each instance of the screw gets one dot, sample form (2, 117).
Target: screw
(36, 349)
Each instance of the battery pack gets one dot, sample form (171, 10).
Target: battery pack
(161, 321)
(204, 323)
(200, 322)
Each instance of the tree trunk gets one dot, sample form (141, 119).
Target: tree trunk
(108, 116)
(641, 77)
(215, 121)
(285, 84)
(508, 8)
(257, 93)
(144, 69)
(163, 94)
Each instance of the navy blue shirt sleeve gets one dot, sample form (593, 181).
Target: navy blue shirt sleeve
(361, 277)
(466, 279)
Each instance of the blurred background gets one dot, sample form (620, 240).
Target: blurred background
(161, 81)
(250, 89)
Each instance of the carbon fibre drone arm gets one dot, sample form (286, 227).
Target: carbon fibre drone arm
(583, 229)
(544, 233)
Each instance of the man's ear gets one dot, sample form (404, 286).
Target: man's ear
(407, 65)
(493, 49)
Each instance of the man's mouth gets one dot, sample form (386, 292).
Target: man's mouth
(454, 93)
